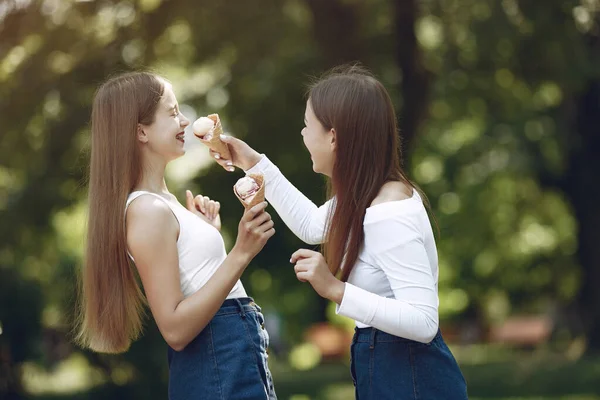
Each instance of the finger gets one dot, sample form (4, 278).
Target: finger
(256, 223)
(200, 204)
(260, 219)
(230, 140)
(211, 209)
(227, 139)
(306, 262)
(300, 268)
(269, 233)
(266, 226)
(208, 208)
(226, 164)
(254, 211)
(220, 159)
(189, 201)
(302, 276)
(217, 208)
(207, 205)
(214, 154)
(302, 253)
(214, 209)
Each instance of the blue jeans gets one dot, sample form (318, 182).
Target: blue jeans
(227, 360)
(386, 367)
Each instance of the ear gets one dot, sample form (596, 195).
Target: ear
(141, 134)
(332, 139)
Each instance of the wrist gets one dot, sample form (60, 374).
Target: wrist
(240, 257)
(336, 292)
(251, 161)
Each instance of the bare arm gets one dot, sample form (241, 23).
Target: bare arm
(152, 231)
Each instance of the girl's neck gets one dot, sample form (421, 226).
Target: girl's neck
(153, 179)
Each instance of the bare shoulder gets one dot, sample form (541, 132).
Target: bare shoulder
(148, 215)
(148, 207)
(393, 191)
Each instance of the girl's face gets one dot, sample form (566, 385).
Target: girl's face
(164, 137)
(319, 141)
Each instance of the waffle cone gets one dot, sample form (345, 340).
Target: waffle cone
(259, 197)
(215, 143)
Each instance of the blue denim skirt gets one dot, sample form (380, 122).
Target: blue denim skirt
(387, 367)
(227, 360)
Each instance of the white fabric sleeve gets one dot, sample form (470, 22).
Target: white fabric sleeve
(397, 247)
(300, 214)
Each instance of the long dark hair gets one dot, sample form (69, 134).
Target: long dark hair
(368, 154)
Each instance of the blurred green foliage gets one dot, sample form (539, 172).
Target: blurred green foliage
(498, 102)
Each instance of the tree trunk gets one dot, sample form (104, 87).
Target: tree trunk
(336, 28)
(582, 187)
(415, 78)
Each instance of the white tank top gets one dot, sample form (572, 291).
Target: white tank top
(200, 248)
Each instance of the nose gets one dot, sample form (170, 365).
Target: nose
(302, 131)
(184, 121)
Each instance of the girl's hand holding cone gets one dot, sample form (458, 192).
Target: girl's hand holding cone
(241, 155)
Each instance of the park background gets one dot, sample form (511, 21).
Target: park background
(499, 108)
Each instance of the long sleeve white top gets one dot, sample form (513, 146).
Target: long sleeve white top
(393, 285)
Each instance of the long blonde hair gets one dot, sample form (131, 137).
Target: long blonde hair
(111, 302)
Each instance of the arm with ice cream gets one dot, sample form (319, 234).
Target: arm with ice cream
(299, 213)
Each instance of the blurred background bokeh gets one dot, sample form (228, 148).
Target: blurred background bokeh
(499, 107)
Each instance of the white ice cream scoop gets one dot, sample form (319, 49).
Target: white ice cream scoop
(246, 187)
(202, 127)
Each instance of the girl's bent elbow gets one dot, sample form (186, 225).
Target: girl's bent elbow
(430, 332)
(175, 342)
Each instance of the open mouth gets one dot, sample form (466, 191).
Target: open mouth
(180, 137)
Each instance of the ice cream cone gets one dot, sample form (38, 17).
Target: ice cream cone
(215, 143)
(258, 197)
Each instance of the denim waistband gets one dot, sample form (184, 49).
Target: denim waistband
(239, 305)
(373, 335)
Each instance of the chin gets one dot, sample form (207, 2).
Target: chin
(177, 155)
